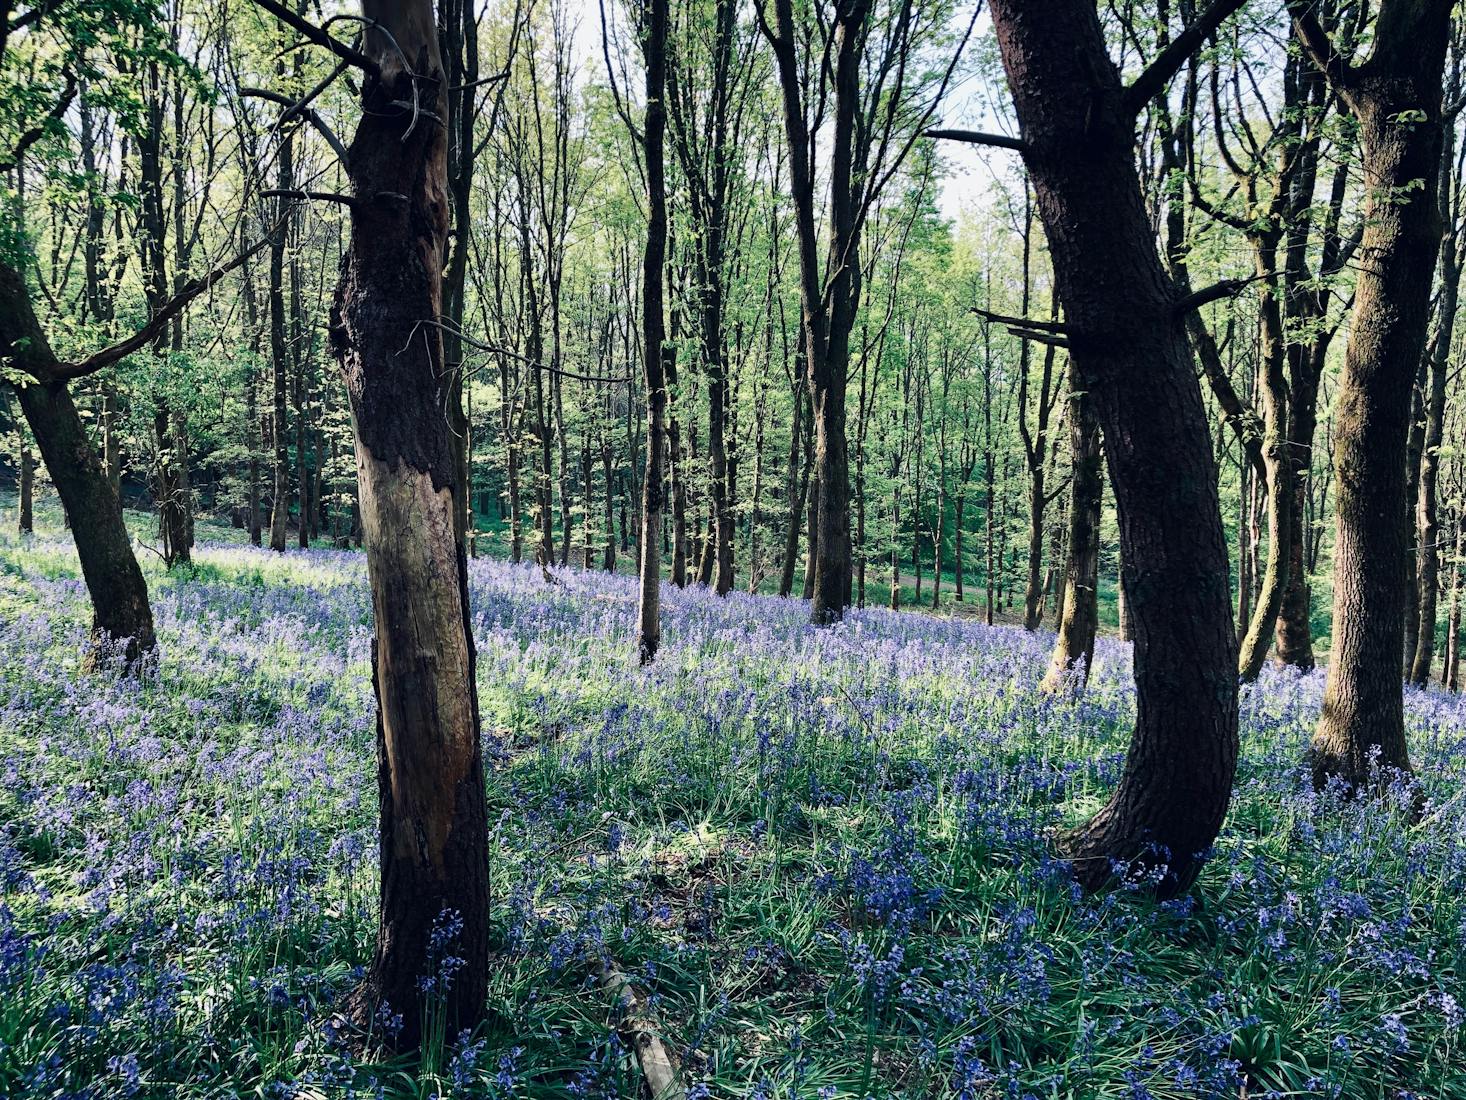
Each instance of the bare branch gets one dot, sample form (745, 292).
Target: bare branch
(298, 107)
(975, 137)
(320, 196)
(1224, 288)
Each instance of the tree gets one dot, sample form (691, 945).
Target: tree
(432, 953)
(1074, 645)
(864, 69)
(1395, 95)
(657, 354)
(1125, 337)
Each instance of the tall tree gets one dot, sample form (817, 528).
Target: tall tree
(859, 67)
(1395, 94)
(1126, 340)
(432, 952)
(657, 353)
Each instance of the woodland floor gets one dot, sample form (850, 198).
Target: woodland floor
(824, 853)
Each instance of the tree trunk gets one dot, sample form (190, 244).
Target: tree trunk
(1427, 526)
(1130, 351)
(811, 560)
(679, 505)
(1033, 586)
(1277, 468)
(1414, 447)
(1079, 620)
(1363, 706)
(655, 353)
(280, 357)
(432, 957)
(27, 478)
(1451, 674)
(959, 520)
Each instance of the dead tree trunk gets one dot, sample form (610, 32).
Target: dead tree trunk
(432, 955)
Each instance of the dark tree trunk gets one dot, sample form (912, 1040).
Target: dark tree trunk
(1363, 707)
(811, 522)
(280, 358)
(679, 505)
(656, 355)
(27, 485)
(434, 835)
(829, 303)
(1451, 673)
(1079, 620)
(1130, 351)
(1427, 526)
(121, 615)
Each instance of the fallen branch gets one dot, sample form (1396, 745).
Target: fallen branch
(638, 1027)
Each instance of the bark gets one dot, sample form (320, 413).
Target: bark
(829, 301)
(280, 358)
(1129, 350)
(1079, 620)
(1427, 526)
(1451, 673)
(122, 620)
(434, 835)
(655, 352)
(679, 505)
(1277, 469)
(1396, 98)
(170, 489)
(27, 483)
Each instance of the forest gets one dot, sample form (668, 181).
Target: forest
(704, 549)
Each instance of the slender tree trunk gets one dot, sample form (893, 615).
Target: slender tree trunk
(27, 480)
(1033, 586)
(280, 357)
(655, 353)
(1414, 448)
(960, 521)
(434, 834)
(1427, 527)
(1079, 620)
(679, 505)
(811, 560)
(1278, 470)
(1452, 670)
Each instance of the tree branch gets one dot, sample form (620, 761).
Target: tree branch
(1318, 46)
(976, 137)
(65, 372)
(1168, 62)
(1052, 328)
(1225, 288)
(321, 196)
(315, 34)
(298, 107)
